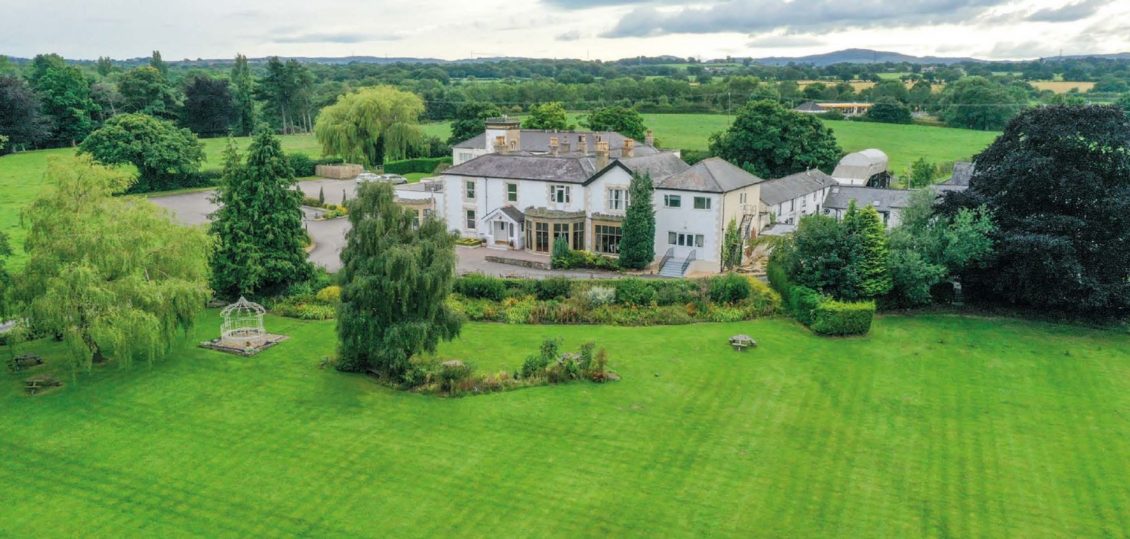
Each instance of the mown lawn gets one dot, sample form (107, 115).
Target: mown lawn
(934, 426)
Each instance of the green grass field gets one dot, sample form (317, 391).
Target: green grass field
(933, 426)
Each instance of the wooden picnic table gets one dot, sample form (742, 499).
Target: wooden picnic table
(24, 361)
(741, 342)
(35, 384)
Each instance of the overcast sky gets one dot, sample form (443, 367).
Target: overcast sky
(587, 29)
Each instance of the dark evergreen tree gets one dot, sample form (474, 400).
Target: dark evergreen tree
(209, 109)
(20, 117)
(395, 279)
(259, 223)
(1058, 184)
(890, 111)
(637, 242)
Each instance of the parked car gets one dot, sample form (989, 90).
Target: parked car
(394, 179)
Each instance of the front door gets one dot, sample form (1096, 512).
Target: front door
(501, 232)
(684, 243)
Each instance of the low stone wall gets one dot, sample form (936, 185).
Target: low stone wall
(338, 172)
(532, 264)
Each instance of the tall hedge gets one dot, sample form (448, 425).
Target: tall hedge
(426, 165)
(841, 318)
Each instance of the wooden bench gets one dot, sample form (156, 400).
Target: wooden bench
(741, 342)
(24, 361)
(36, 384)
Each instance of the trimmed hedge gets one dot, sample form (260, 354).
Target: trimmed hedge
(823, 315)
(842, 318)
(803, 302)
(426, 165)
(303, 165)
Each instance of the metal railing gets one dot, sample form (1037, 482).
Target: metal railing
(687, 262)
(666, 257)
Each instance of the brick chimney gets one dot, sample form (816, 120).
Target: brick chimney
(601, 155)
(500, 144)
(629, 148)
(553, 146)
(566, 147)
(514, 138)
(582, 144)
(649, 138)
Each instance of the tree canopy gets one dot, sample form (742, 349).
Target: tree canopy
(395, 278)
(890, 111)
(979, 103)
(21, 119)
(547, 116)
(258, 227)
(470, 120)
(162, 153)
(209, 108)
(146, 90)
(65, 95)
(637, 241)
(771, 141)
(622, 120)
(1058, 184)
(370, 125)
(116, 277)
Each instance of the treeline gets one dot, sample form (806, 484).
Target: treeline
(48, 101)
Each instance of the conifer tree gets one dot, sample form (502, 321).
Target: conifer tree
(731, 246)
(395, 278)
(259, 223)
(866, 241)
(637, 243)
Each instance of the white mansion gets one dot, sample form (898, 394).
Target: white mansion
(523, 188)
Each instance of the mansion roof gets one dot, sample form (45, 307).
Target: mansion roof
(537, 141)
(711, 175)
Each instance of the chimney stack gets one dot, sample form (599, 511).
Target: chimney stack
(514, 146)
(629, 148)
(582, 144)
(514, 138)
(566, 147)
(649, 138)
(553, 145)
(601, 155)
(500, 144)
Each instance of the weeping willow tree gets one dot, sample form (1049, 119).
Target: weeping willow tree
(114, 276)
(371, 125)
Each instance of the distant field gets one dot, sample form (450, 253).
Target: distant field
(1062, 87)
(21, 175)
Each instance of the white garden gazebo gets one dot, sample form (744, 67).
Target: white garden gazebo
(243, 325)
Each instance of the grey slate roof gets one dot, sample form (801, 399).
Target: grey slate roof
(781, 190)
(882, 199)
(525, 166)
(962, 171)
(809, 106)
(711, 175)
(537, 140)
(659, 166)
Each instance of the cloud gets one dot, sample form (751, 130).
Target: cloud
(334, 37)
(784, 41)
(1071, 12)
(760, 15)
(571, 35)
(587, 4)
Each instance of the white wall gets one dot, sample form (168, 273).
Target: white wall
(688, 220)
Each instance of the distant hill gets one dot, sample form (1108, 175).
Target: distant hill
(861, 56)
